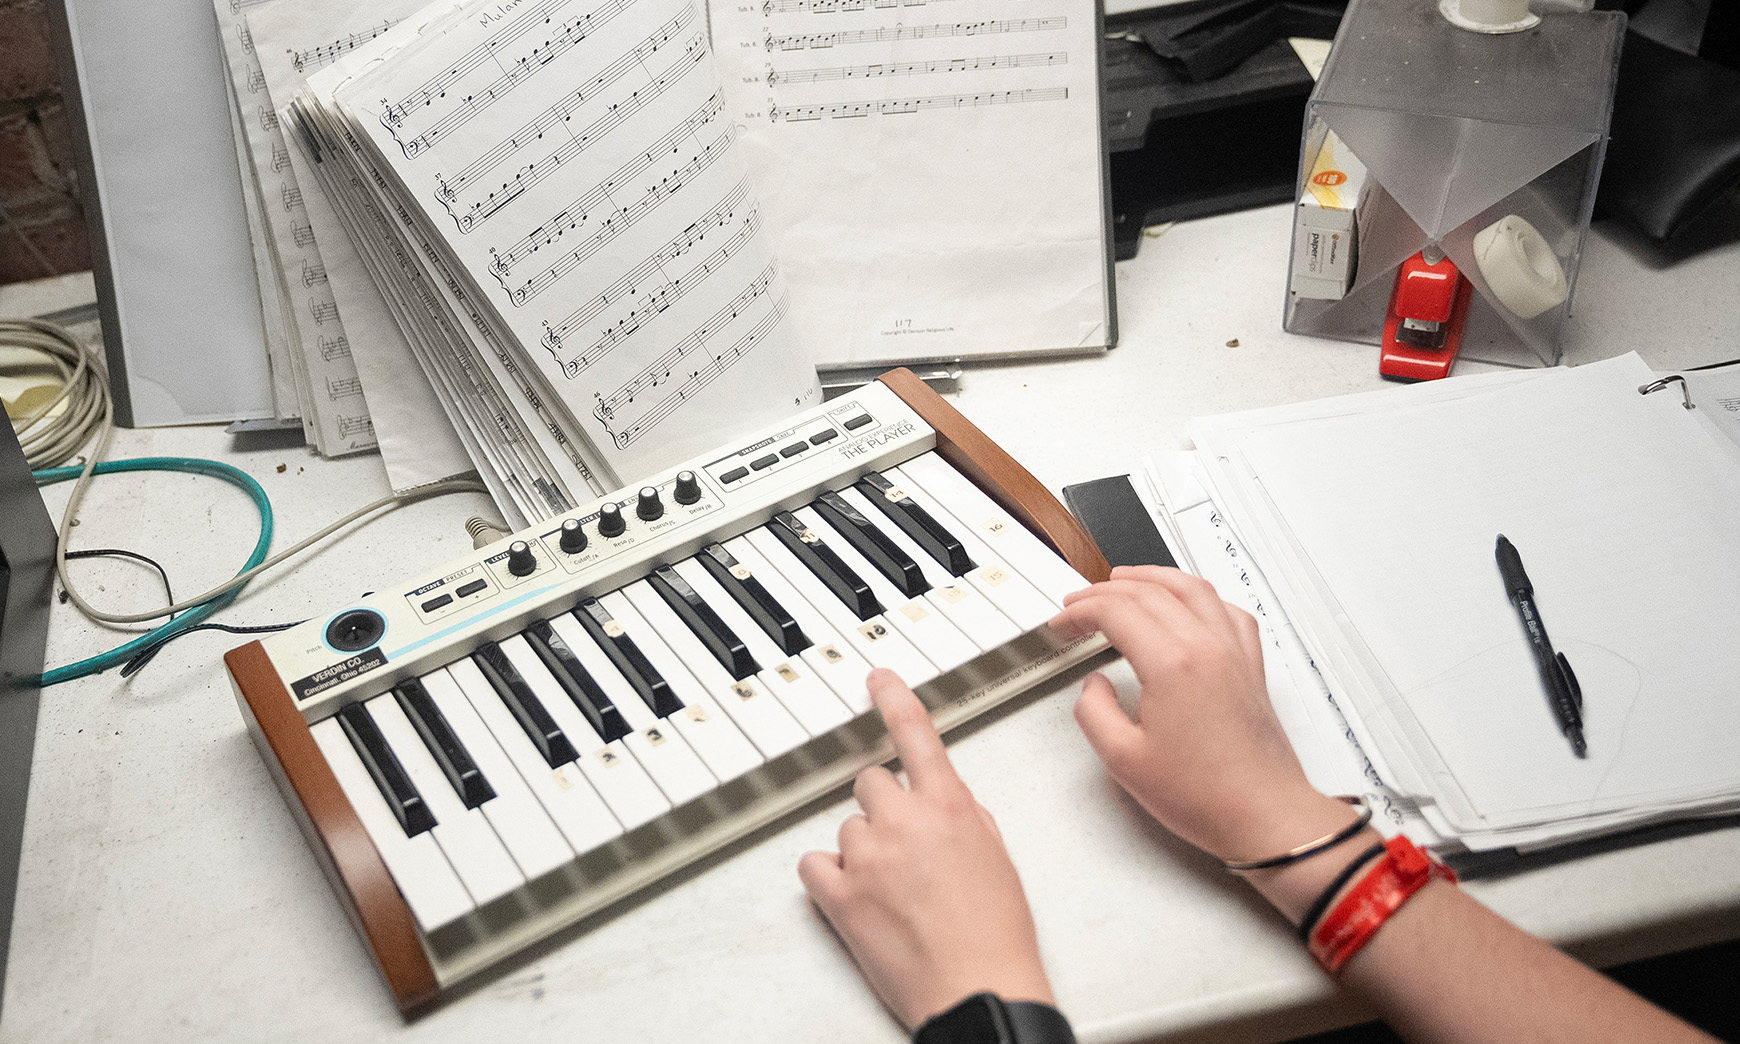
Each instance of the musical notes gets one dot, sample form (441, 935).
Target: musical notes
(675, 365)
(772, 7)
(291, 196)
(614, 116)
(322, 55)
(334, 348)
(576, 211)
(888, 106)
(617, 222)
(516, 72)
(356, 427)
(891, 34)
(660, 296)
(323, 311)
(945, 65)
(313, 274)
(303, 235)
(560, 113)
(346, 388)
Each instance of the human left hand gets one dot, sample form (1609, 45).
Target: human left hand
(922, 891)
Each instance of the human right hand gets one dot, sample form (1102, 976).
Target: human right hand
(1205, 754)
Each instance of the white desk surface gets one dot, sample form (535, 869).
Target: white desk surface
(166, 895)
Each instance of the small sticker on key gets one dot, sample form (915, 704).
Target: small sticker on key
(808, 536)
(654, 736)
(831, 654)
(951, 594)
(993, 575)
(613, 629)
(696, 713)
(741, 571)
(894, 493)
(607, 757)
(873, 631)
(786, 673)
(560, 775)
(744, 690)
(994, 526)
(913, 611)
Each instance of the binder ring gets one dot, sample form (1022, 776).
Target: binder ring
(1655, 386)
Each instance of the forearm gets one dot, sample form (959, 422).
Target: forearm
(1444, 968)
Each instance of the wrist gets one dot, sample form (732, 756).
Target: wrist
(1291, 889)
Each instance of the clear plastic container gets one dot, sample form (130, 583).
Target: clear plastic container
(1484, 144)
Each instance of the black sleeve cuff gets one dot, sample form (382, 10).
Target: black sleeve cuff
(985, 1018)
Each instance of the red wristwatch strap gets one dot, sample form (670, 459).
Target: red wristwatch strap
(1350, 923)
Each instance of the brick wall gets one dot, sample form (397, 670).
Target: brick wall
(42, 228)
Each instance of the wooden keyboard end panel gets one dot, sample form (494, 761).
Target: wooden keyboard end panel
(343, 847)
(973, 453)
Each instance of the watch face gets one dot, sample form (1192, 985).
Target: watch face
(976, 1020)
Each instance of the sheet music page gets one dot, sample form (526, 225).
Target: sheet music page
(931, 170)
(533, 469)
(292, 40)
(569, 156)
(314, 326)
(1623, 509)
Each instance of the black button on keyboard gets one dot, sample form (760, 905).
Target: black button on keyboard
(873, 544)
(577, 682)
(450, 755)
(627, 657)
(390, 777)
(700, 618)
(755, 599)
(527, 709)
(916, 523)
(813, 552)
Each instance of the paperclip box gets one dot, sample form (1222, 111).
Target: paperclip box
(1326, 223)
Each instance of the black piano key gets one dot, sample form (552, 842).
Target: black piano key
(455, 761)
(390, 776)
(700, 618)
(627, 657)
(917, 523)
(755, 599)
(527, 709)
(813, 552)
(577, 681)
(873, 544)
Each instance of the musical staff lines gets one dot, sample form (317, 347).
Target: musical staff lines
(947, 65)
(897, 106)
(662, 295)
(334, 348)
(772, 7)
(665, 369)
(322, 55)
(519, 71)
(618, 113)
(846, 38)
(563, 110)
(356, 427)
(343, 388)
(619, 220)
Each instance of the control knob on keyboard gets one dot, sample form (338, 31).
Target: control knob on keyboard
(521, 561)
(649, 507)
(610, 523)
(688, 489)
(573, 539)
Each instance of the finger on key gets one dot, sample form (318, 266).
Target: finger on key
(876, 790)
(916, 742)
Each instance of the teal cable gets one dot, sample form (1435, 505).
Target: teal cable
(190, 465)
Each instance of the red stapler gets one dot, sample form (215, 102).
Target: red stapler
(1428, 308)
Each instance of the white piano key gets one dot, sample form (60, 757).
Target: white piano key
(965, 605)
(990, 575)
(805, 695)
(875, 639)
(727, 752)
(1012, 541)
(528, 832)
(465, 836)
(615, 773)
(660, 749)
(571, 801)
(419, 868)
(941, 642)
(831, 657)
(754, 710)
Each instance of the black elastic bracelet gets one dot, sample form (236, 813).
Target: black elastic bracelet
(1322, 903)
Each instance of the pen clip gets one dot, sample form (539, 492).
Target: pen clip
(1570, 677)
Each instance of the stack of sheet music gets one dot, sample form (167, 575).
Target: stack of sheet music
(553, 211)
(517, 234)
(1361, 532)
